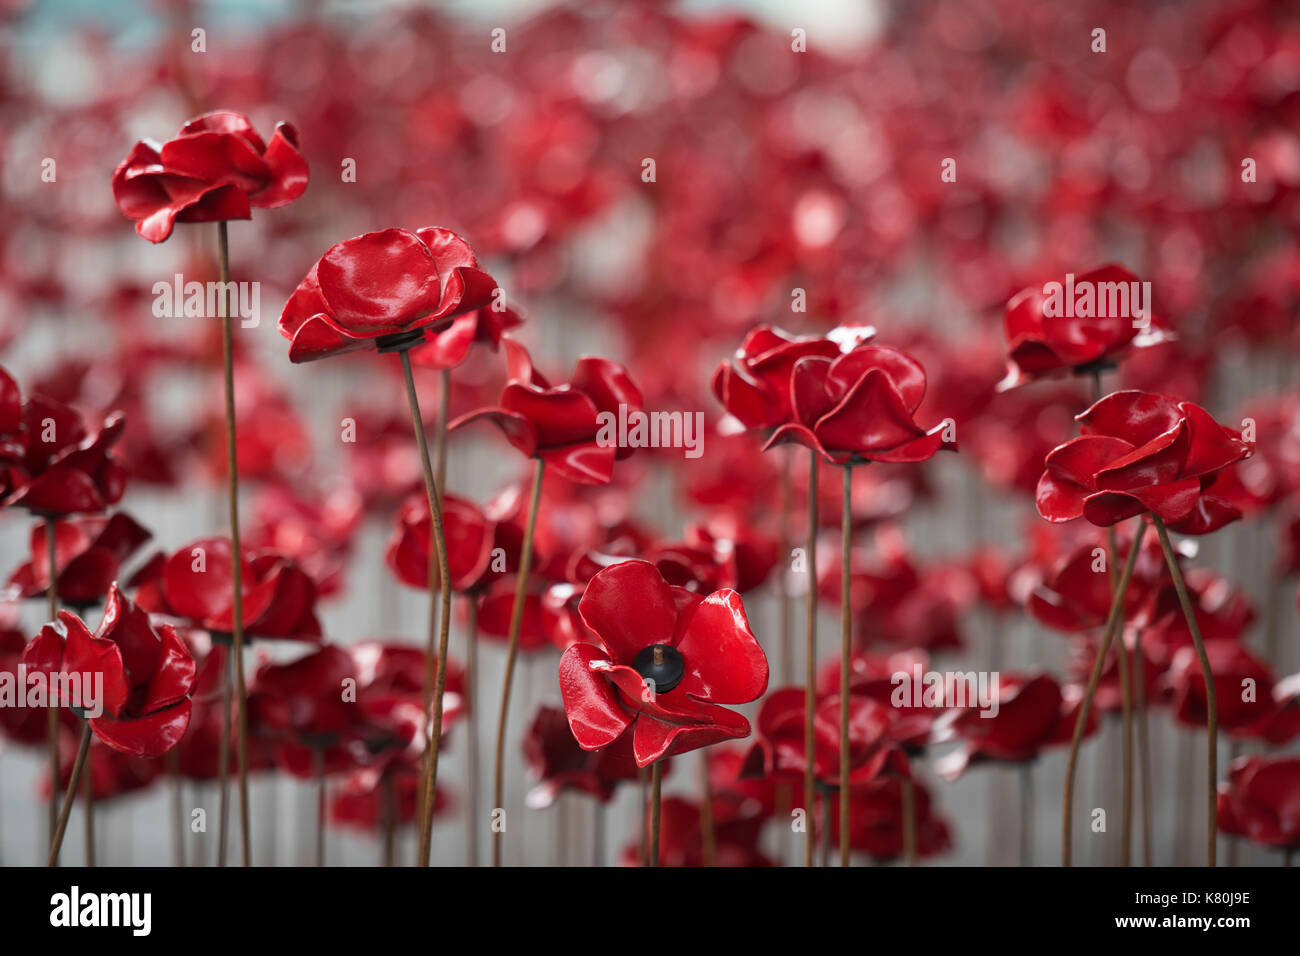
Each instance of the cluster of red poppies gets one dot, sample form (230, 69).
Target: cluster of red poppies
(843, 260)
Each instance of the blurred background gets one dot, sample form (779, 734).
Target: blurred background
(796, 146)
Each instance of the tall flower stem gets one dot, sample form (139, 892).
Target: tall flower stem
(656, 779)
(1211, 702)
(434, 739)
(173, 763)
(1126, 707)
(783, 579)
(810, 661)
(88, 815)
(440, 435)
(388, 821)
(236, 562)
(1143, 743)
(69, 795)
(471, 727)
(846, 651)
(52, 713)
(908, 797)
(1113, 622)
(318, 770)
(223, 758)
(512, 652)
(1026, 773)
(708, 837)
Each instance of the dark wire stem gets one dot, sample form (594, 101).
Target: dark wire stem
(471, 727)
(1113, 621)
(656, 778)
(69, 796)
(1211, 702)
(433, 740)
(52, 713)
(810, 661)
(512, 652)
(846, 651)
(236, 562)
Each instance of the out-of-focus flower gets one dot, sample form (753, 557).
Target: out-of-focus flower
(89, 554)
(1243, 685)
(681, 836)
(1259, 801)
(216, 168)
(65, 465)
(559, 763)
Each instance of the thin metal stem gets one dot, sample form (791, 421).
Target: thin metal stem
(846, 652)
(69, 795)
(810, 660)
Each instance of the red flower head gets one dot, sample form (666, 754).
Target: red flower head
(89, 553)
(385, 290)
(147, 675)
(559, 764)
(194, 584)
(449, 348)
(470, 538)
(736, 834)
(364, 800)
(1261, 801)
(1281, 724)
(301, 708)
(1239, 704)
(873, 675)
(216, 168)
(779, 751)
(667, 658)
(876, 824)
(1032, 713)
(755, 386)
(1040, 345)
(1142, 453)
(859, 407)
(561, 425)
(64, 465)
(1076, 594)
(392, 723)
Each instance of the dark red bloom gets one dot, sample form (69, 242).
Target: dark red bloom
(681, 836)
(859, 407)
(559, 763)
(1243, 685)
(383, 290)
(196, 585)
(1031, 714)
(1142, 453)
(562, 424)
(303, 711)
(470, 536)
(450, 347)
(147, 675)
(89, 554)
(362, 800)
(874, 675)
(698, 651)
(1075, 595)
(779, 750)
(1261, 801)
(1040, 345)
(65, 465)
(876, 822)
(216, 168)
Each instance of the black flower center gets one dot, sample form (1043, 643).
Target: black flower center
(661, 664)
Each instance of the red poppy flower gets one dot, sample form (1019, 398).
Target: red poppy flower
(1239, 703)
(316, 532)
(876, 823)
(698, 651)
(385, 290)
(147, 675)
(779, 750)
(755, 386)
(1222, 610)
(216, 168)
(470, 539)
(65, 466)
(1076, 594)
(24, 725)
(1142, 453)
(301, 710)
(112, 773)
(199, 752)
(391, 721)
(195, 584)
(360, 802)
(1040, 345)
(873, 675)
(1261, 801)
(859, 407)
(1281, 724)
(1032, 714)
(561, 424)
(89, 553)
(559, 764)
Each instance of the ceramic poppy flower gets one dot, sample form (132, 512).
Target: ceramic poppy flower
(876, 824)
(362, 800)
(1032, 714)
(194, 584)
(112, 773)
(754, 387)
(698, 651)
(1041, 345)
(562, 425)
(300, 709)
(66, 466)
(199, 752)
(858, 407)
(1281, 724)
(873, 675)
(216, 168)
(470, 536)
(315, 532)
(23, 725)
(779, 752)
(147, 674)
(1243, 686)
(386, 290)
(89, 553)
(1075, 595)
(1259, 801)
(1139, 453)
(391, 721)
(559, 764)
